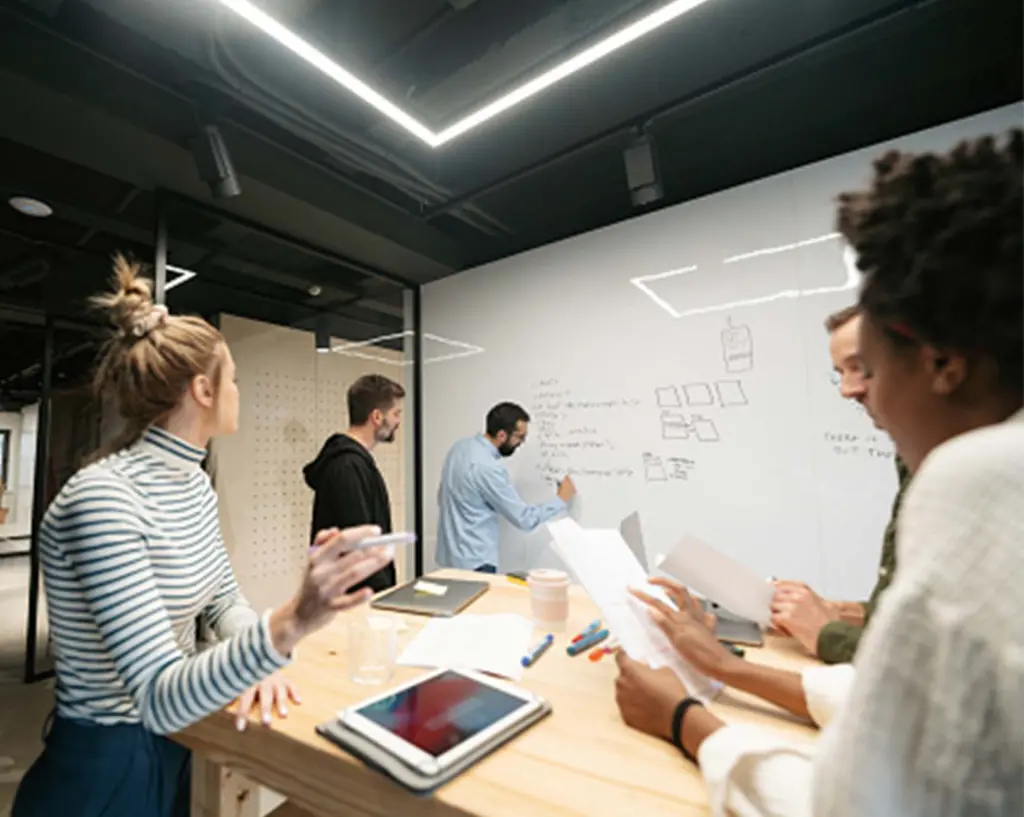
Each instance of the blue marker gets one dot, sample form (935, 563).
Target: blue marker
(587, 643)
(538, 651)
(592, 627)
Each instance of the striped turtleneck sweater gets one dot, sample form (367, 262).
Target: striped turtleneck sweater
(132, 553)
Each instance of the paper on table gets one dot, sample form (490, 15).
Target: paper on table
(487, 643)
(607, 568)
(721, 578)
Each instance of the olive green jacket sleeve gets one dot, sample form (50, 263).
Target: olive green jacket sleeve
(838, 640)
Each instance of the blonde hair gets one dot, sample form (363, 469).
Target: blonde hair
(150, 361)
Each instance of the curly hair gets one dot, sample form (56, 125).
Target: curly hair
(938, 239)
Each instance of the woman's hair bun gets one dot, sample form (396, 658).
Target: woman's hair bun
(130, 303)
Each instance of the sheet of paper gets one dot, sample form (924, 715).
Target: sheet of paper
(494, 644)
(721, 578)
(607, 568)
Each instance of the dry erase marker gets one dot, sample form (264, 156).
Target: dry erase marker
(592, 627)
(379, 541)
(590, 641)
(538, 651)
(600, 652)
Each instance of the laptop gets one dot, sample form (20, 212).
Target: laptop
(405, 598)
(633, 535)
(729, 627)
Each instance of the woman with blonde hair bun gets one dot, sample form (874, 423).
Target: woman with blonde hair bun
(132, 553)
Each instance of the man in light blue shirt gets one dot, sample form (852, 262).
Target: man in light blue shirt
(476, 487)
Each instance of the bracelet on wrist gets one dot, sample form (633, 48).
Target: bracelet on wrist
(677, 725)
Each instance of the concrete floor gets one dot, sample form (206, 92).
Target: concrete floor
(23, 707)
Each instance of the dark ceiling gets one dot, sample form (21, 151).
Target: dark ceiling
(99, 100)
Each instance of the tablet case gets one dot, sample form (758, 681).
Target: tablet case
(404, 598)
(415, 781)
(734, 629)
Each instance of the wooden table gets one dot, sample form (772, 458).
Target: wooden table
(580, 761)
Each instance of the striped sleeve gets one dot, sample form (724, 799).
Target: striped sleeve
(97, 529)
(228, 613)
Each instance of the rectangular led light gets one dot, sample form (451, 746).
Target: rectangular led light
(631, 33)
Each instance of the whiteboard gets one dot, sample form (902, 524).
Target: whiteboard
(677, 364)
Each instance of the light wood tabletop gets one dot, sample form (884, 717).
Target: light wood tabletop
(580, 761)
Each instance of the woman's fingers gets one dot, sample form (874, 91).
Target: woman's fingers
(293, 692)
(244, 707)
(342, 541)
(266, 701)
(663, 610)
(344, 600)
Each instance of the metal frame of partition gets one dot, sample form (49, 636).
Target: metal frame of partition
(32, 672)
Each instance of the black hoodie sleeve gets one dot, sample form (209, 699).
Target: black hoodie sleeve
(345, 491)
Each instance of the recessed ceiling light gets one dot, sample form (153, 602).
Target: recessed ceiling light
(30, 207)
(619, 39)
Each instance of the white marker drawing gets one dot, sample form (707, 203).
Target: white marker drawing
(654, 469)
(737, 348)
(730, 393)
(667, 397)
(698, 394)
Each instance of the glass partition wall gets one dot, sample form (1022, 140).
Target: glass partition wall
(302, 324)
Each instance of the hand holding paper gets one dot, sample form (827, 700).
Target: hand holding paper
(607, 569)
(721, 578)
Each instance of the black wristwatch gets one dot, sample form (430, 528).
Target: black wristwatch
(677, 725)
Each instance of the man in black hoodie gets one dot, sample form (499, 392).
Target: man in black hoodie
(349, 487)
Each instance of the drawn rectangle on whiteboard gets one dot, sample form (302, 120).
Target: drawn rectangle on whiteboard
(668, 397)
(706, 430)
(730, 393)
(698, 394)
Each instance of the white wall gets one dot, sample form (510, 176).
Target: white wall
(677, 364)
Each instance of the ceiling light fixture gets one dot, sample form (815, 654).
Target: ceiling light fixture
(182, 274)
(28, 206)
(631, 33)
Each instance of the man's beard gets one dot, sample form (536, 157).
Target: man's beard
(507, 450)
(387, 436)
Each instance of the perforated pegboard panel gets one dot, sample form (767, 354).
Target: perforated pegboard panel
(292, 399)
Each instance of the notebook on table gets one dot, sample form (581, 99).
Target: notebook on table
(457, 596)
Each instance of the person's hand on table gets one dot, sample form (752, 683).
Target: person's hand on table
(272, 693)
(799, 612)
(647, 698)
(690, 630)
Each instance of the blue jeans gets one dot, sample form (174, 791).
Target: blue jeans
(88, 770)
(486, 569)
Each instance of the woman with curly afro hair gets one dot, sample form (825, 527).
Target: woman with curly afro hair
(930, 720)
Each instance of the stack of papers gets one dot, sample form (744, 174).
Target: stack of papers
(495, 644)
(722, 579)
(607, 569)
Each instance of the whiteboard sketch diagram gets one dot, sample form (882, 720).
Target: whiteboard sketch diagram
(675, 426)
(730, 393)
(698, 394)
(705, 429)
(654, 469)
(737, 348)
(667, 397)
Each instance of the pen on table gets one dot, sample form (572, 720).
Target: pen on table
(517, 580)
(592, 627)
(737, 651)
(538, 651)
(587, 642)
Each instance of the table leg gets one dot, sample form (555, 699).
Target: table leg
(221, 792)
